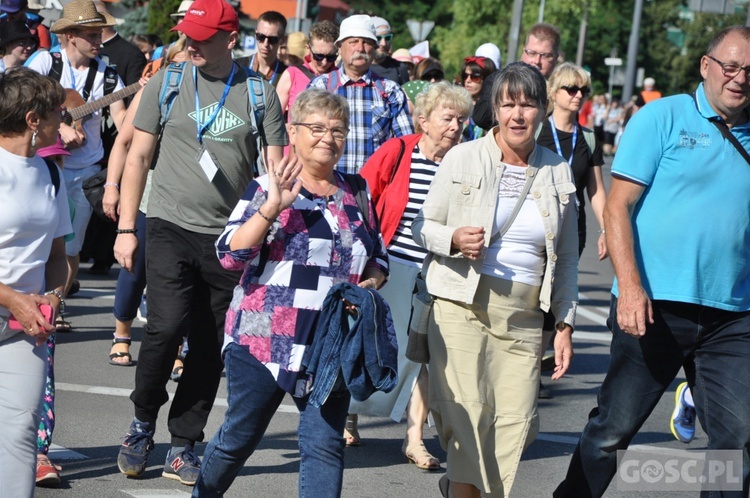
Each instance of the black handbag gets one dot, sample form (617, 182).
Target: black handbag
(93, 189)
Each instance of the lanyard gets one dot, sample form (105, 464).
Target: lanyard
(201, 129)
(275, 69)
(557, 141)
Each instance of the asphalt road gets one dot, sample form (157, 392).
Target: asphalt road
(93, 413)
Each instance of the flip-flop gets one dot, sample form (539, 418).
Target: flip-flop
(121, 354)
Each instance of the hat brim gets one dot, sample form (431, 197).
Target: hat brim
(195, 31)
(16, 37)
(357, 33)
(62, 25)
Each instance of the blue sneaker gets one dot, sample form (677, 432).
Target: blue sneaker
(683, 416)
(182, 465)
(143, 310)
(135, 449)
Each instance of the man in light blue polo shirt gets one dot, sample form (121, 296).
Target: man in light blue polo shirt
(678, 229)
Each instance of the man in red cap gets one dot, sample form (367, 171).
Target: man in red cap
(206, 151)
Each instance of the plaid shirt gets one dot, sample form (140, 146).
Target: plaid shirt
(377, 112)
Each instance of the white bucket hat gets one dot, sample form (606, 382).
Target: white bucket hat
(359, 26)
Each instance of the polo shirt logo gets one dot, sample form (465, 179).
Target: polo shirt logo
(694, 140)
(223, 123)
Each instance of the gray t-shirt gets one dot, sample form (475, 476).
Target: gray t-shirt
(181, 192)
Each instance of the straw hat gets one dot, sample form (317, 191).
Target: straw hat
(81, 14)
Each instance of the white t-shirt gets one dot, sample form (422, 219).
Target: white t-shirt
(92, 149)
(31, 216)
(519, 255)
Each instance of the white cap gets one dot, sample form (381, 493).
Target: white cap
(181, 10)
(491, 52)
(359, 26)
(649, 82)
(379, 24)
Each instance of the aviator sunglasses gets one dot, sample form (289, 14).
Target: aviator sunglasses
(473, 77)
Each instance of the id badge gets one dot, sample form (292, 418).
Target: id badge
(207, 163)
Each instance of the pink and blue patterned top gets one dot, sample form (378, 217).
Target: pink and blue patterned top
(315, 244)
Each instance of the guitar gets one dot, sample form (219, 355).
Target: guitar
(78, 109)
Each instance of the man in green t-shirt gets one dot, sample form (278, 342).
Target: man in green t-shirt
(203, 155)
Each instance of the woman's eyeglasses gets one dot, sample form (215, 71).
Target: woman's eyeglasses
(320, 131)
(473, 77)
(573, 90)
(322, 57)
(272, 40)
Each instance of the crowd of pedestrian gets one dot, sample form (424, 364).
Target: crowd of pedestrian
(339, 176)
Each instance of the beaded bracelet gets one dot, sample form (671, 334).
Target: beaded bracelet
(126, 230)
(270, 220)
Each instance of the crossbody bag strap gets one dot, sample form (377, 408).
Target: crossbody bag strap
(724, 130)
(530, 175)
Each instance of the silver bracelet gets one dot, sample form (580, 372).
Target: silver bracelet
(110, 184)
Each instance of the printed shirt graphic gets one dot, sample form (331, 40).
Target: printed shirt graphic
(181, 192)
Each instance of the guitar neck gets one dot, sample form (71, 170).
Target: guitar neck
(95, 105)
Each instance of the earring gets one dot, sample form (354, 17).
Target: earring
(33, 138)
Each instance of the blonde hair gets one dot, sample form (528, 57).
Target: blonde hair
(566, 74)
(443, 94)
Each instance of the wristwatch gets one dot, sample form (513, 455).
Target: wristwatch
(561, 326)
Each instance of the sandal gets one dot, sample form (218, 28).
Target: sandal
(351, 434)
(62, 325)
(418, 455)
(121, 354)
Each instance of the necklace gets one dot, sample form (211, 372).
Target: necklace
(309, 189)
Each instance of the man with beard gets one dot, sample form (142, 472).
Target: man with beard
(385, 65)
(377, 106)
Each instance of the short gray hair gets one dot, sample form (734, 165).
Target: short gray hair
(520, 80)
(316, 101)
(442, 93)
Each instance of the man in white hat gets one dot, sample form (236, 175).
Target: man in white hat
(385, 65)
(377, 106)
(78, 67)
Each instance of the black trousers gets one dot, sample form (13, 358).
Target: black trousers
(188, 294)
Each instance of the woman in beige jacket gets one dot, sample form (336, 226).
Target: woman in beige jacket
(485, 338)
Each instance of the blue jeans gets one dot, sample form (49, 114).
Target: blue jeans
(253, 398)
(641, 370)
(129, 289)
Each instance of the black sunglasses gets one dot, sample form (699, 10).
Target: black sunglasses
(322, 57)
(272, 40)
(573, 90)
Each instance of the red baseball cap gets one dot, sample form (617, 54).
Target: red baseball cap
(207, 17)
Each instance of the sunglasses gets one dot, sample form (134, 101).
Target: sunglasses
(387, 38)
(322, 57)
(473, 77)
(573, 90)
(272, 40)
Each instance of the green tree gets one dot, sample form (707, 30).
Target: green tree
(159, 22)
(135, 22)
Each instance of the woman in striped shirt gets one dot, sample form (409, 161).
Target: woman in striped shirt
(399, 175)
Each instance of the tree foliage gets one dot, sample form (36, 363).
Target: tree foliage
(135, 22)
(159, 21)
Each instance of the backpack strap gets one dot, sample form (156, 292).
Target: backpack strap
(57, 66)
(110, 80)
(54, 173)
(257, 95)
(170, 88)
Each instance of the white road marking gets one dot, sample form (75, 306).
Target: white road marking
(59, 453)
(154, 493)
